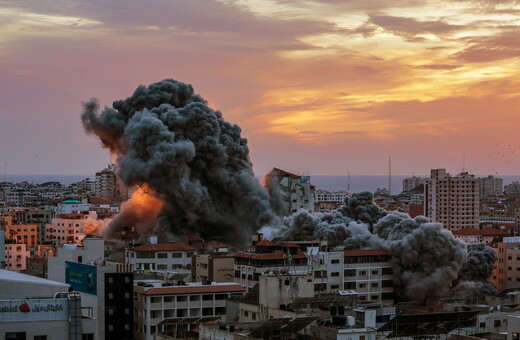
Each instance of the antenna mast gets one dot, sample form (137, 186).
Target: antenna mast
(389, 172)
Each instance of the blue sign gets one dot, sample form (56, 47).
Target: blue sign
(81, 277)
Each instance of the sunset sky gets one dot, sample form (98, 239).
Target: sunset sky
(321, 87)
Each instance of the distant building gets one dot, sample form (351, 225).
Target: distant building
(491, 186)
(289, 192)
(452, 201)
(512, 189)
(411, 183)
(213, 267)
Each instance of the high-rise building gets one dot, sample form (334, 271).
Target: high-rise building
(108, 185)
(411, 183)
(491, 186)
(289, 192)
(452, 201)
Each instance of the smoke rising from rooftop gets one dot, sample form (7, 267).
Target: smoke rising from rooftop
(427, 259)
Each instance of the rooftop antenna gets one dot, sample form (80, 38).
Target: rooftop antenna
(348, 181)
(464, 161)
(389, 172)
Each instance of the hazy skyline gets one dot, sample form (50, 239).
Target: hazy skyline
(323, 87)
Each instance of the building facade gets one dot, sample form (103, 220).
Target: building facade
(160, 308)
(491, 186)
(452, 201)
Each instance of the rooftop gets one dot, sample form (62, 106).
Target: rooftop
(195, 289)
(10, 276)
(177, 246)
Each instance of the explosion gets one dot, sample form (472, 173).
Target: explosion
(168, 138)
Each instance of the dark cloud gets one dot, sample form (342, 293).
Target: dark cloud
(426, 257)
(167, 139)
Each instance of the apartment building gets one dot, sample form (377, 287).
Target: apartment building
(295, 191)
(108, 185)
(160, 308)
(452, 201)
(412, 182)
(23, 233)
(491, 186)
(67, 228)
(16, 255)
(368, 272)
(162, 256)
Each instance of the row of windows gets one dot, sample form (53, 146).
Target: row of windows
(152, 255)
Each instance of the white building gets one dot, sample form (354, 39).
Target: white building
(162, 306)
(162, 256)
(327, 196)
(71, 206)
(105, 287)
(452, 201)
(36, 308)
(412, 183)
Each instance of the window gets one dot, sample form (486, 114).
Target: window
(162, 266)
(334, 261)
(176, 255)
(162, 255)
(349, 285)
(40, 337)
(375, 272)
(496, 323)
(246, 313)
(334, 274)
(362, 285)
(374, 285)
(362, 272)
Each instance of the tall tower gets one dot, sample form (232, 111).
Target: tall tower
(452, 201)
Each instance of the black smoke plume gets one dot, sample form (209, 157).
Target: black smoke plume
(169, 139)
(427, 260)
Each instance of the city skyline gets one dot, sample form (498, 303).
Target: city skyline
(319, 87)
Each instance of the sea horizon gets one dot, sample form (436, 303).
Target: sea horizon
(356, 183)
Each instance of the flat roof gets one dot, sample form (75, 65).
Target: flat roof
(202, 289)
(11, 276)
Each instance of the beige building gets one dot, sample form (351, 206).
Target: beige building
(507, 272)
(108, 185)
(23, 233)
(369, 273)
(16, 255)
(452, 201)
(213, 267)
(67, 228)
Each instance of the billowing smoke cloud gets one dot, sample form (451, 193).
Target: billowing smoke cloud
(427, 259)
(167, 137)
(477, 269)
